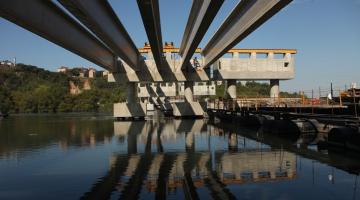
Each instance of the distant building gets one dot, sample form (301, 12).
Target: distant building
(92, 73)
(62, 69)
(7, 63)
(83, 72)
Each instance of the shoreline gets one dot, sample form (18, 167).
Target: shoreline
(59, 113)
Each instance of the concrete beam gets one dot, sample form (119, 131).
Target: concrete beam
(247, 16)
(254, 68)
(150, 73)
(100, 18)
(47, 20)
(150, 15)
(202, 13)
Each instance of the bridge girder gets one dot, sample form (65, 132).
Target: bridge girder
(247, 16)
(150, 15)
(201, 15)
(49, 21)
(100, 18)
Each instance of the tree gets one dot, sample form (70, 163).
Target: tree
(5, 100)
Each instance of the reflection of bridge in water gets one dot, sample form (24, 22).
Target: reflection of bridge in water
(181, 156)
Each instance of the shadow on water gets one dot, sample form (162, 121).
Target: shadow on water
(192, 159)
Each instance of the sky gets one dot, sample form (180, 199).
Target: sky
(326, 34)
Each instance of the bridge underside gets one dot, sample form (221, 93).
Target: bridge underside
(98, 35)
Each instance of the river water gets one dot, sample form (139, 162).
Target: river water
(77, 156)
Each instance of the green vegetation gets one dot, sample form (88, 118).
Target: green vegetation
(28, 89)
(252, 89)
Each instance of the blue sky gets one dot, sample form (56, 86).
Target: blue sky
(326, 34)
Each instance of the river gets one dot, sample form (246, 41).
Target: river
(88, 156)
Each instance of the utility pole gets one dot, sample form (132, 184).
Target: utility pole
(355, 104)
(331, 90)
(312, 101)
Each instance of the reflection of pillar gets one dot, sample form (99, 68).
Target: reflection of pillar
(188, 91)
(189, 141)
(231, 89)
(274, 88)
(131, 92)
(233, 142)
(132, 143)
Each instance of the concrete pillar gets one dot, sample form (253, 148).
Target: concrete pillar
(252, 55)
(231, 89)
(235, 55)
(287, 56)
(274, 88)
(271, 55)
(131, 94)
(189, 91)
(168, 55)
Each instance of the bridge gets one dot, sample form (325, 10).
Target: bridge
(92, 30)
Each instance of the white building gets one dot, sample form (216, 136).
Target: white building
(92, 73)
(62, 69)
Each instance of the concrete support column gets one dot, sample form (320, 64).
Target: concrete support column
(252, 55)
(287, 56)
(235, 55)
(231, 89)
(274, 88)
(168, 55)
(271, 55)
(189, 91)
(131, 94)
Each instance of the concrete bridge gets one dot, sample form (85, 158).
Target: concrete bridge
(92, 30)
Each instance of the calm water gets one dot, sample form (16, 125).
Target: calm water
(93, 157)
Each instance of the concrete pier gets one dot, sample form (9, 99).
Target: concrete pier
(188, 91)
(131, 94)
(231, 89)
(274, 88)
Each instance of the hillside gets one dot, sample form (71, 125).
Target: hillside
(29, 89)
